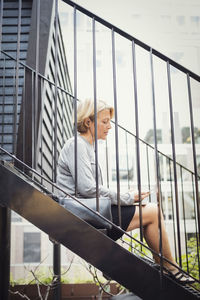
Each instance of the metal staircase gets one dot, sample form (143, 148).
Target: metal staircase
(140, 277)
(34, 128)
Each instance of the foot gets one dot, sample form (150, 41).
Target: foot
(180, 277)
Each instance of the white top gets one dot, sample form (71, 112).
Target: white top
(86, 183)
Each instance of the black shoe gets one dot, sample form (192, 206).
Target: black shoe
(180, 277)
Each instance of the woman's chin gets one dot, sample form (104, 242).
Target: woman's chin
(103, 138)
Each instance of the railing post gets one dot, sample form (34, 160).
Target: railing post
(116, 124)
(174, 230)
(75, 101)
(194, 154)
(56, 247)
(157, 167)
(174, 162)
(137, 136)
(95, 113)
(17, 79)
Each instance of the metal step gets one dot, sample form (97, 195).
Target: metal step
(139, 277)
(129, 296)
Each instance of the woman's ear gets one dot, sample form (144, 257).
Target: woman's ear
(87, 122)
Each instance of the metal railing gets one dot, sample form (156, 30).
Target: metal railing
(176, 188)
(36, 110)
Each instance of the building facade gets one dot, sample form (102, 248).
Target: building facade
(32, 52)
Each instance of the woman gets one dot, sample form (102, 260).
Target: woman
(86, 184)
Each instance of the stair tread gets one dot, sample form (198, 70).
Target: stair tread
(129, 296)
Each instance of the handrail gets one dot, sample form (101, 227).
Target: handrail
(136, 41)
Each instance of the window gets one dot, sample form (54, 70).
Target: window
(195, 23)
(32, 247)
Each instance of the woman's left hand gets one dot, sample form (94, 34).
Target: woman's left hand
(143, 196)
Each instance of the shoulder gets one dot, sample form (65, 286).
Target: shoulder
(70, 144)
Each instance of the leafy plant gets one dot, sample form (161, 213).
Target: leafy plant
(190, 262)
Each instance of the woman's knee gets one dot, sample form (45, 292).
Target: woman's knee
(152, 211)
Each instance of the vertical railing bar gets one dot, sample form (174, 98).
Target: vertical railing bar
(184, 219)
(41, 127)
(157, 165)
(1, 22)
(14, 99)
(23, 118)
(52, 135)
(36, 80)
(17, 76)
(75, 100)
(56, 90)
(127, 159)
(170, 172)
(32, 117)
(3, 104)
(57, 247)
(95, 112)
(116, 124)
(160, 184)
(194, 153)
(62, 107)
(195, 218)
(137, 136)
(107, 166)
(174, 161)
(148, 171)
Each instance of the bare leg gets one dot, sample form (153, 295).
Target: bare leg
(151, 232)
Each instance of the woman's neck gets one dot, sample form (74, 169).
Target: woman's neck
(88, 137)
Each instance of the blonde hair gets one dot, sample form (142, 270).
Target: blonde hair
(86, 110)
